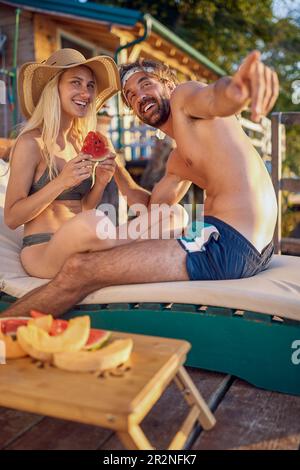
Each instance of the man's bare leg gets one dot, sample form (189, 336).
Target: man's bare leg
(147, 261)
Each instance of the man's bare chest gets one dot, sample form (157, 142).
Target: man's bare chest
(185, 167)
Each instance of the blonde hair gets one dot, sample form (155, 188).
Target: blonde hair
(47, 117)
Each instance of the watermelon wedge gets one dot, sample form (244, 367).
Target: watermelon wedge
(96, 145)
(10, 325)
(96, 339)
(36, 314)
(58, 326)
(8, 334)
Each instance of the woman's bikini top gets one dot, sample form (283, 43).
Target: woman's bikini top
(75, 194)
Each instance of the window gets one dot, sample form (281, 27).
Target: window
(87, 52)
(86, 48)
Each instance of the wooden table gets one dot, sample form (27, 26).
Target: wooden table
(118, 400)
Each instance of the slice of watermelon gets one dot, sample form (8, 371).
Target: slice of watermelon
(10, 325)
(97, 339)
(96, 145)
(58, 325)
(8, 334)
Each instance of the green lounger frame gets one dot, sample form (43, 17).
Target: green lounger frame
(261, 349)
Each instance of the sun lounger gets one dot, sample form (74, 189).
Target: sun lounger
(247, 327)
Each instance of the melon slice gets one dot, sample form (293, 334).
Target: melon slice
(13, 350)
(56, 327)
(39, 344)
(105, 358)
(95, 340)
(31, 350)
(44, 322)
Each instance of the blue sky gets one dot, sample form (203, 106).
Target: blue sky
(282, 7)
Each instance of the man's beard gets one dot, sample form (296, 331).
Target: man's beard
(160, 116)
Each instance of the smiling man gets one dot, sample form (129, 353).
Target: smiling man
(213, 152)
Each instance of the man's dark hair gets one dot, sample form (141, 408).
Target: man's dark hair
(160, 70)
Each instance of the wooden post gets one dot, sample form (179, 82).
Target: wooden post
(276, 174)
(122, 202)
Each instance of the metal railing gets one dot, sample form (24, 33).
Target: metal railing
(260, 136)
(137, 139)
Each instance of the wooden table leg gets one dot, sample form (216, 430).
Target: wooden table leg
(193, 397)
(183, 433)
(135, 439)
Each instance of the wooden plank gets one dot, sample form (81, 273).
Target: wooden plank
(101, 38)
(170, 411)
(290, 245)
(81, 22)
(290, 184)
(290, 118)
(57, 434)
(14, 423)
(44, 29)
(251, 418)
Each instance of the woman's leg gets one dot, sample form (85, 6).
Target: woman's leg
(77, 235)
(93, 231)
(149, 261)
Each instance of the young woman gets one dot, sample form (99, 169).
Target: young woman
(52, 188)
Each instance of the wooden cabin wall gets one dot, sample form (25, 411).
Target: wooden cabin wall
(25, 52)
(45, 37)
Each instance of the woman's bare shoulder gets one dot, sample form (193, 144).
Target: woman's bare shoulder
(33, 136)
(30, 142)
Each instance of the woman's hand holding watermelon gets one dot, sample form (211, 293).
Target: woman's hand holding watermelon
(75, 171)
(105, 170)
(100, 150)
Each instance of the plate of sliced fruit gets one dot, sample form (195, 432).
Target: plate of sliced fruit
(67, 344)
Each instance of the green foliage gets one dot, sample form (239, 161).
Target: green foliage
(290, 220)
(291, 164)
(226, 30)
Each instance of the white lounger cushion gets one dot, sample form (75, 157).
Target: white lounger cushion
(275, 291)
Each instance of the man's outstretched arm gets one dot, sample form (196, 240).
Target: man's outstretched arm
(253, 83)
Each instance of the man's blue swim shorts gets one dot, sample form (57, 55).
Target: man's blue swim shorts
(216, 251)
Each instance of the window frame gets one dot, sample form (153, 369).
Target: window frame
(81, 42)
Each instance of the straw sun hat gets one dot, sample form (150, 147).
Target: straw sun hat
(34, 76)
